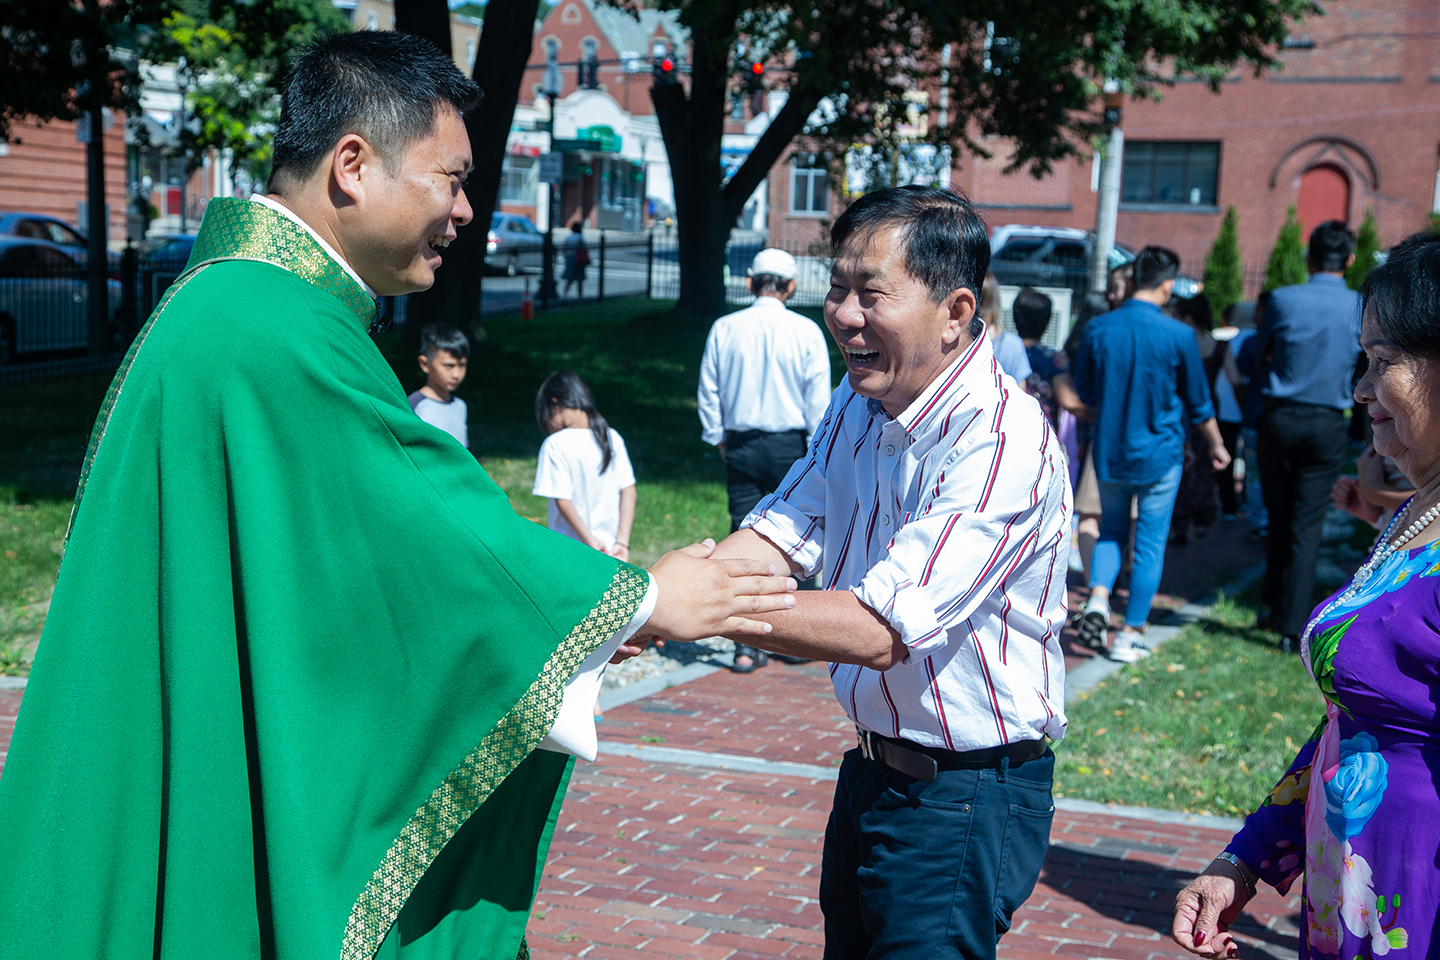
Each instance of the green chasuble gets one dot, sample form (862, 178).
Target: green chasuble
(300, 652)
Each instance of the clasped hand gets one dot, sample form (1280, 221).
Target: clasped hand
(1206, 908)
(700, 597)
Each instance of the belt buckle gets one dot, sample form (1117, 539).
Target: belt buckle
(867, 749)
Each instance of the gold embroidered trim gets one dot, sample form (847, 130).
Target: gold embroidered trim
(485, 768)
(236, 229)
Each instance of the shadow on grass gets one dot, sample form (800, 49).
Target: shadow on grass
(1136, 892)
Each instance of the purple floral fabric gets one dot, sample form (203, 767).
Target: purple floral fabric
(1366, 837)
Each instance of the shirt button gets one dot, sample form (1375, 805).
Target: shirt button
(890, 450)
(885, 520)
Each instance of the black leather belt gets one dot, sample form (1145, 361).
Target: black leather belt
(923, 763)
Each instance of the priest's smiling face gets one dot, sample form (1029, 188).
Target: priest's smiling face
(408, 216)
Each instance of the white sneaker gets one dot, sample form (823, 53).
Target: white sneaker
(1129, 646)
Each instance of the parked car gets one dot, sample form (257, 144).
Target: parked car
(1057, 257)
(510, 236)
(43, 298)
(159, 260)
(38, 226)
(167, 248)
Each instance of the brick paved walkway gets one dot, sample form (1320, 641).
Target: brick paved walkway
(688, 861)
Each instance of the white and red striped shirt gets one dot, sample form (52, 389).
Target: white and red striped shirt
(953, 522)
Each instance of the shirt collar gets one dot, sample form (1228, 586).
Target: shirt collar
(768, 303)
(922, 418)
(290, 215)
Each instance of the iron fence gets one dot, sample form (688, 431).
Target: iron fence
(44, 328)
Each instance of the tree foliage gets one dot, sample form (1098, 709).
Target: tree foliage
(1287, 259)
(1367, 245)
(59, 59)
(1224, 275)
(1023, 72)
(238, 54)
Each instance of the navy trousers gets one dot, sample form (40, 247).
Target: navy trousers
(931, 869)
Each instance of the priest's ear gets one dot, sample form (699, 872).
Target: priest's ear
(354, 165)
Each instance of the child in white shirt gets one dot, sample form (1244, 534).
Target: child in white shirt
(583, 468)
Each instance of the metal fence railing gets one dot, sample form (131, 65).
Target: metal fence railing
(43, 307)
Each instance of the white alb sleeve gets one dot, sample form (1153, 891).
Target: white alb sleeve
(574, 729)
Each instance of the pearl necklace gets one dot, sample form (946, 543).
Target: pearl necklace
(1388, 548)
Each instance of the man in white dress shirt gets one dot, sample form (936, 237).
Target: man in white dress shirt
(935, 497)
(764, 383)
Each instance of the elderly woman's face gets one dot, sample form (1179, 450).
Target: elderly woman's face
(1403, 391)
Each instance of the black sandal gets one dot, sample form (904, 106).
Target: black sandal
(758, 659)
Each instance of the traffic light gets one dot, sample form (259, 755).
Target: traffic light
(663, 69)
(755, 86)
(590, 73)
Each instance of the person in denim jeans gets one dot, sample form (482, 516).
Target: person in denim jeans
(1142, 371)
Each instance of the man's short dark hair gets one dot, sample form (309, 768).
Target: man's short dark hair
(1331, 244)
(946, 246)
(1403, 295)
(1154, 266)
(438, 336)
(387, 87)
(1031, 313)
(762, 283)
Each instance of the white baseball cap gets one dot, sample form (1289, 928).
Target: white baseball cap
(775, 262)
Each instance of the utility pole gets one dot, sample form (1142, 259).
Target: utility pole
(1109, 206)
(92, 132)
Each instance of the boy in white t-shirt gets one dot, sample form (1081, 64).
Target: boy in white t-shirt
(444, 352)
(583, 468)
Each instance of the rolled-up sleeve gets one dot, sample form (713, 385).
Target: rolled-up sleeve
(971, 534)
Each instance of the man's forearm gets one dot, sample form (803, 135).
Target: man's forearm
(831, 625)
(1211, 429)
(749, 545)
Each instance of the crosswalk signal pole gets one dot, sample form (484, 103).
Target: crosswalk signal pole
(1109, 206)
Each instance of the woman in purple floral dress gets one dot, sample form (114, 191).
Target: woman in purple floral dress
(1357, 815)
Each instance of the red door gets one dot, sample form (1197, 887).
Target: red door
(1324, 195)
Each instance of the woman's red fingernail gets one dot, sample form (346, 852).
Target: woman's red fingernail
(1199, 937)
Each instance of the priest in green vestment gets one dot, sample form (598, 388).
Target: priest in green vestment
(301, 653)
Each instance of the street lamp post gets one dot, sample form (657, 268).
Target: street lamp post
(551, 86)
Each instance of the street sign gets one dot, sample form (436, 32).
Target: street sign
(552, 167)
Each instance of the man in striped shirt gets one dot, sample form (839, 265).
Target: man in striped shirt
(934, 497)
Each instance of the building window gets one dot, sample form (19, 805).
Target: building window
(372, 21)
(552, 48)
(571, 14)
(519, 179)
(809, 187)
(1171, 173)
(589, 48)
(470, 54)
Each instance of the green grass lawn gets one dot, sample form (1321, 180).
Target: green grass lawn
(640, 359)
(642, 363)
(1206, 725)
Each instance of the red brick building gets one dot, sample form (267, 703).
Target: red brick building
(1350, 124)
(42, 170)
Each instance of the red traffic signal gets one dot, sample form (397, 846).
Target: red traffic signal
(758, 69)
(667, 65)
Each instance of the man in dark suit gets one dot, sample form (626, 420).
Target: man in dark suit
(1309, 334)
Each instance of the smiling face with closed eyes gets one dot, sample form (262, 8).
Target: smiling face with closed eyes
(895, 338)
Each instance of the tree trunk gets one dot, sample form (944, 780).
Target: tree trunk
(692, 128)
(424, 18)
(505, 43)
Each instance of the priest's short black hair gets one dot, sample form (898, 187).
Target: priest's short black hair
(387, 87)
(1331, 244)
(946, 245)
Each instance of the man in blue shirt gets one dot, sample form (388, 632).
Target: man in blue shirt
(1309, 332)
(1142, 371)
